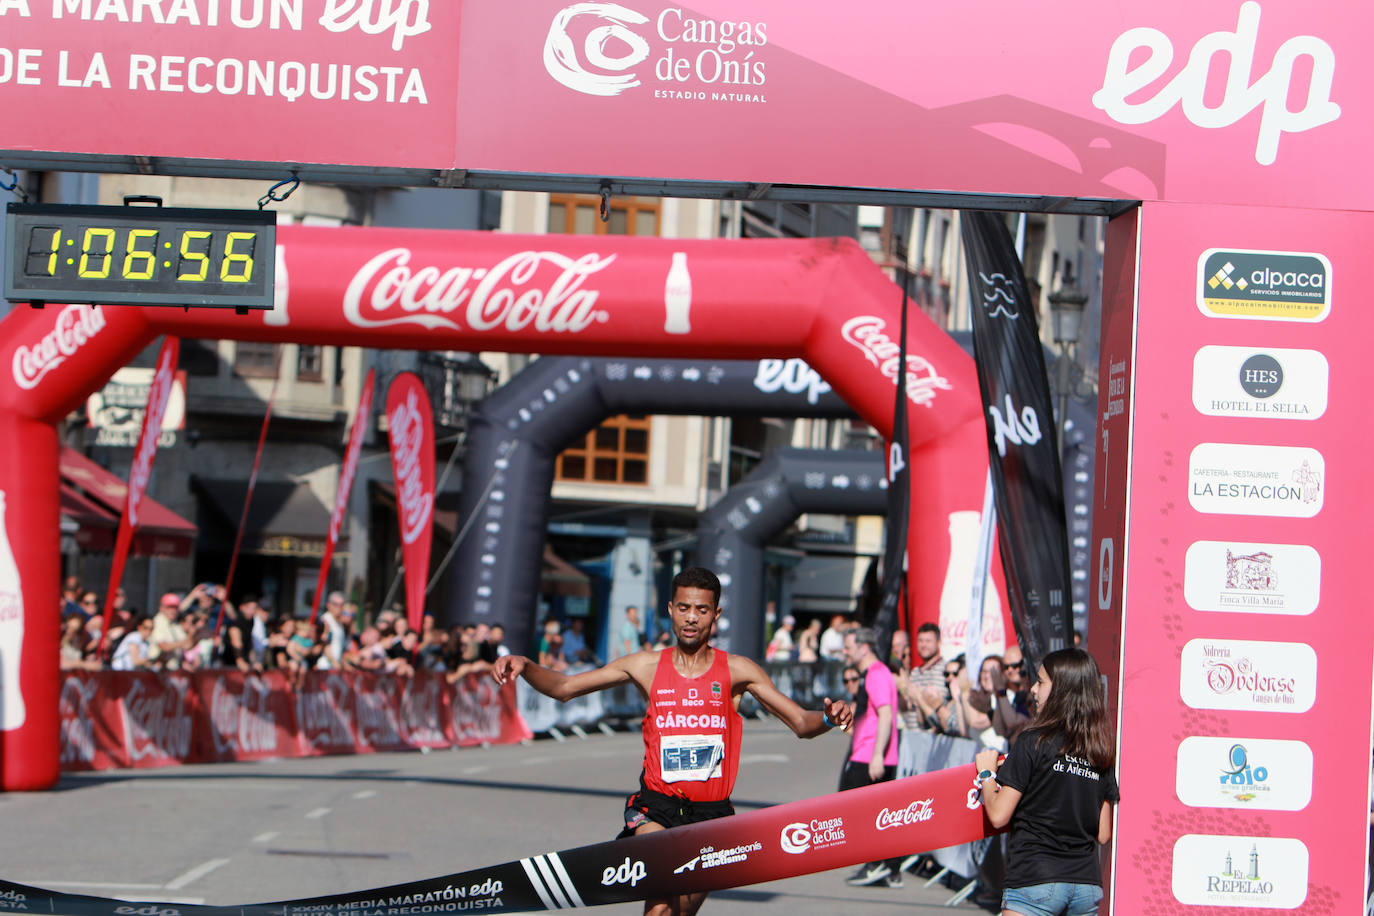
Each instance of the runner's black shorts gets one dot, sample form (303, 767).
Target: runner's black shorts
(668, 810)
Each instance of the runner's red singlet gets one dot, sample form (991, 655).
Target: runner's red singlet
(691, 732)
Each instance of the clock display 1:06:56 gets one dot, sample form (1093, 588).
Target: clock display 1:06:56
(105, 252)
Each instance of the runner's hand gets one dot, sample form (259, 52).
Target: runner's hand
(839, 712)
(508, 668)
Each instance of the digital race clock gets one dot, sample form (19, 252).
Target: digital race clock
(140, 256)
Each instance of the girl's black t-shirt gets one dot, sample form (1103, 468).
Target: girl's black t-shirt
(1054, 828)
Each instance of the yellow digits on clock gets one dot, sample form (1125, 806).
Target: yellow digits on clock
(84, 268)
(138, 264)
(202, 257)
(232, 257)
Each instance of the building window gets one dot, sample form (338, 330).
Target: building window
(199, 357)
(617, 451)
(310, 364)
(255, 360)
(578, 214)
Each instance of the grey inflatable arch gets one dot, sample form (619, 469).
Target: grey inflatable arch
(732, 534)
(515, 435)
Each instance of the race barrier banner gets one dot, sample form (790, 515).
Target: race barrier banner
(121, 719)
(904, 816)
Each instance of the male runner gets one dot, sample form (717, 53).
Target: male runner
(692, 725)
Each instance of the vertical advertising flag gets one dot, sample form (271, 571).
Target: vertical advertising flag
(410, 424)
(346, 474)
(158, 394)
(1020, 423)
(898, 506)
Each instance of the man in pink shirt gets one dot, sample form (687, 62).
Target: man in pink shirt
(873, 755)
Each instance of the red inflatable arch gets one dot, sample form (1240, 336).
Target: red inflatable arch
(823, 300)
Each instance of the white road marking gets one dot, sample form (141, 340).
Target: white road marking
(267, 837)
(316, 814)
(195, 874)
(39, 882)
(365, 793)
(473, 770)
(764, 758)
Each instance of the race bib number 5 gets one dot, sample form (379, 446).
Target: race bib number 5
(691, 758)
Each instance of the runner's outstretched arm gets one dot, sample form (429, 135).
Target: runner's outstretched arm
(806, 723)
(560, 686)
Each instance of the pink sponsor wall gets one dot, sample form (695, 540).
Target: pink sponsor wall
(1235, 356)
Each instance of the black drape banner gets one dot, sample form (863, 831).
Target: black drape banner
(1021, 439)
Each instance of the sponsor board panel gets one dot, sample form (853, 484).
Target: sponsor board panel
(1260, 382)
(1248, 675)
(1249, 773)
(1246, 577)
(1230, 479)
(1242, 871)
(1264, 285)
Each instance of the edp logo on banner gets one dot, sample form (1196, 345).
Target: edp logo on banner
(1257, 773)
(1246, 871)
(1247, 675)
(1269, 383)
(1272, 480)
(1252, 578)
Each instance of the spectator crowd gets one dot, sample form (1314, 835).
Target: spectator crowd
(199, 629)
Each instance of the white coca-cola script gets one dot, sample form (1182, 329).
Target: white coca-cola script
(74, 326)
(922, 380)
(513, 294)
(157, 719)
(243, 722)
(142, 467)
(913, 813)
(408, 434)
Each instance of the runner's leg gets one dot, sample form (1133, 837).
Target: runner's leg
(680, 905)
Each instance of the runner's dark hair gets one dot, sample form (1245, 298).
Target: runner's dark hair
(698, 577)
(1077, 708)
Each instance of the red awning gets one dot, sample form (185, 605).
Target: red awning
(94, 498)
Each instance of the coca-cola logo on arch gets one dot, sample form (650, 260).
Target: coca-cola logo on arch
(606, 49)
(539, 288)
(869, 334)
(73, 326)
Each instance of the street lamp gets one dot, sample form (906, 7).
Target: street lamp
(1066, 318)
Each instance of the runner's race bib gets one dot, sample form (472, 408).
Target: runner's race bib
(691, 758)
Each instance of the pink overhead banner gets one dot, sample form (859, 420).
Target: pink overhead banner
(267, 80)
(1227, 102)
(410, 424)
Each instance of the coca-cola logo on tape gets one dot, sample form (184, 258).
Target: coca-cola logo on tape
(923, 381)
(408, 435)
(543, 288)
(914, 813)
(74, 326)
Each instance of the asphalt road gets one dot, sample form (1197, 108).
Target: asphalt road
(239, 833)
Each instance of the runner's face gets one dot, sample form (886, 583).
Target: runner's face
(693, 612)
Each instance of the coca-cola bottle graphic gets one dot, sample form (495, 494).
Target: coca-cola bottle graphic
(677, 297)
(11, 631)
(964, 530)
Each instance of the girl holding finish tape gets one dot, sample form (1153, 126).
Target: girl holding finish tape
(1056, 788)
